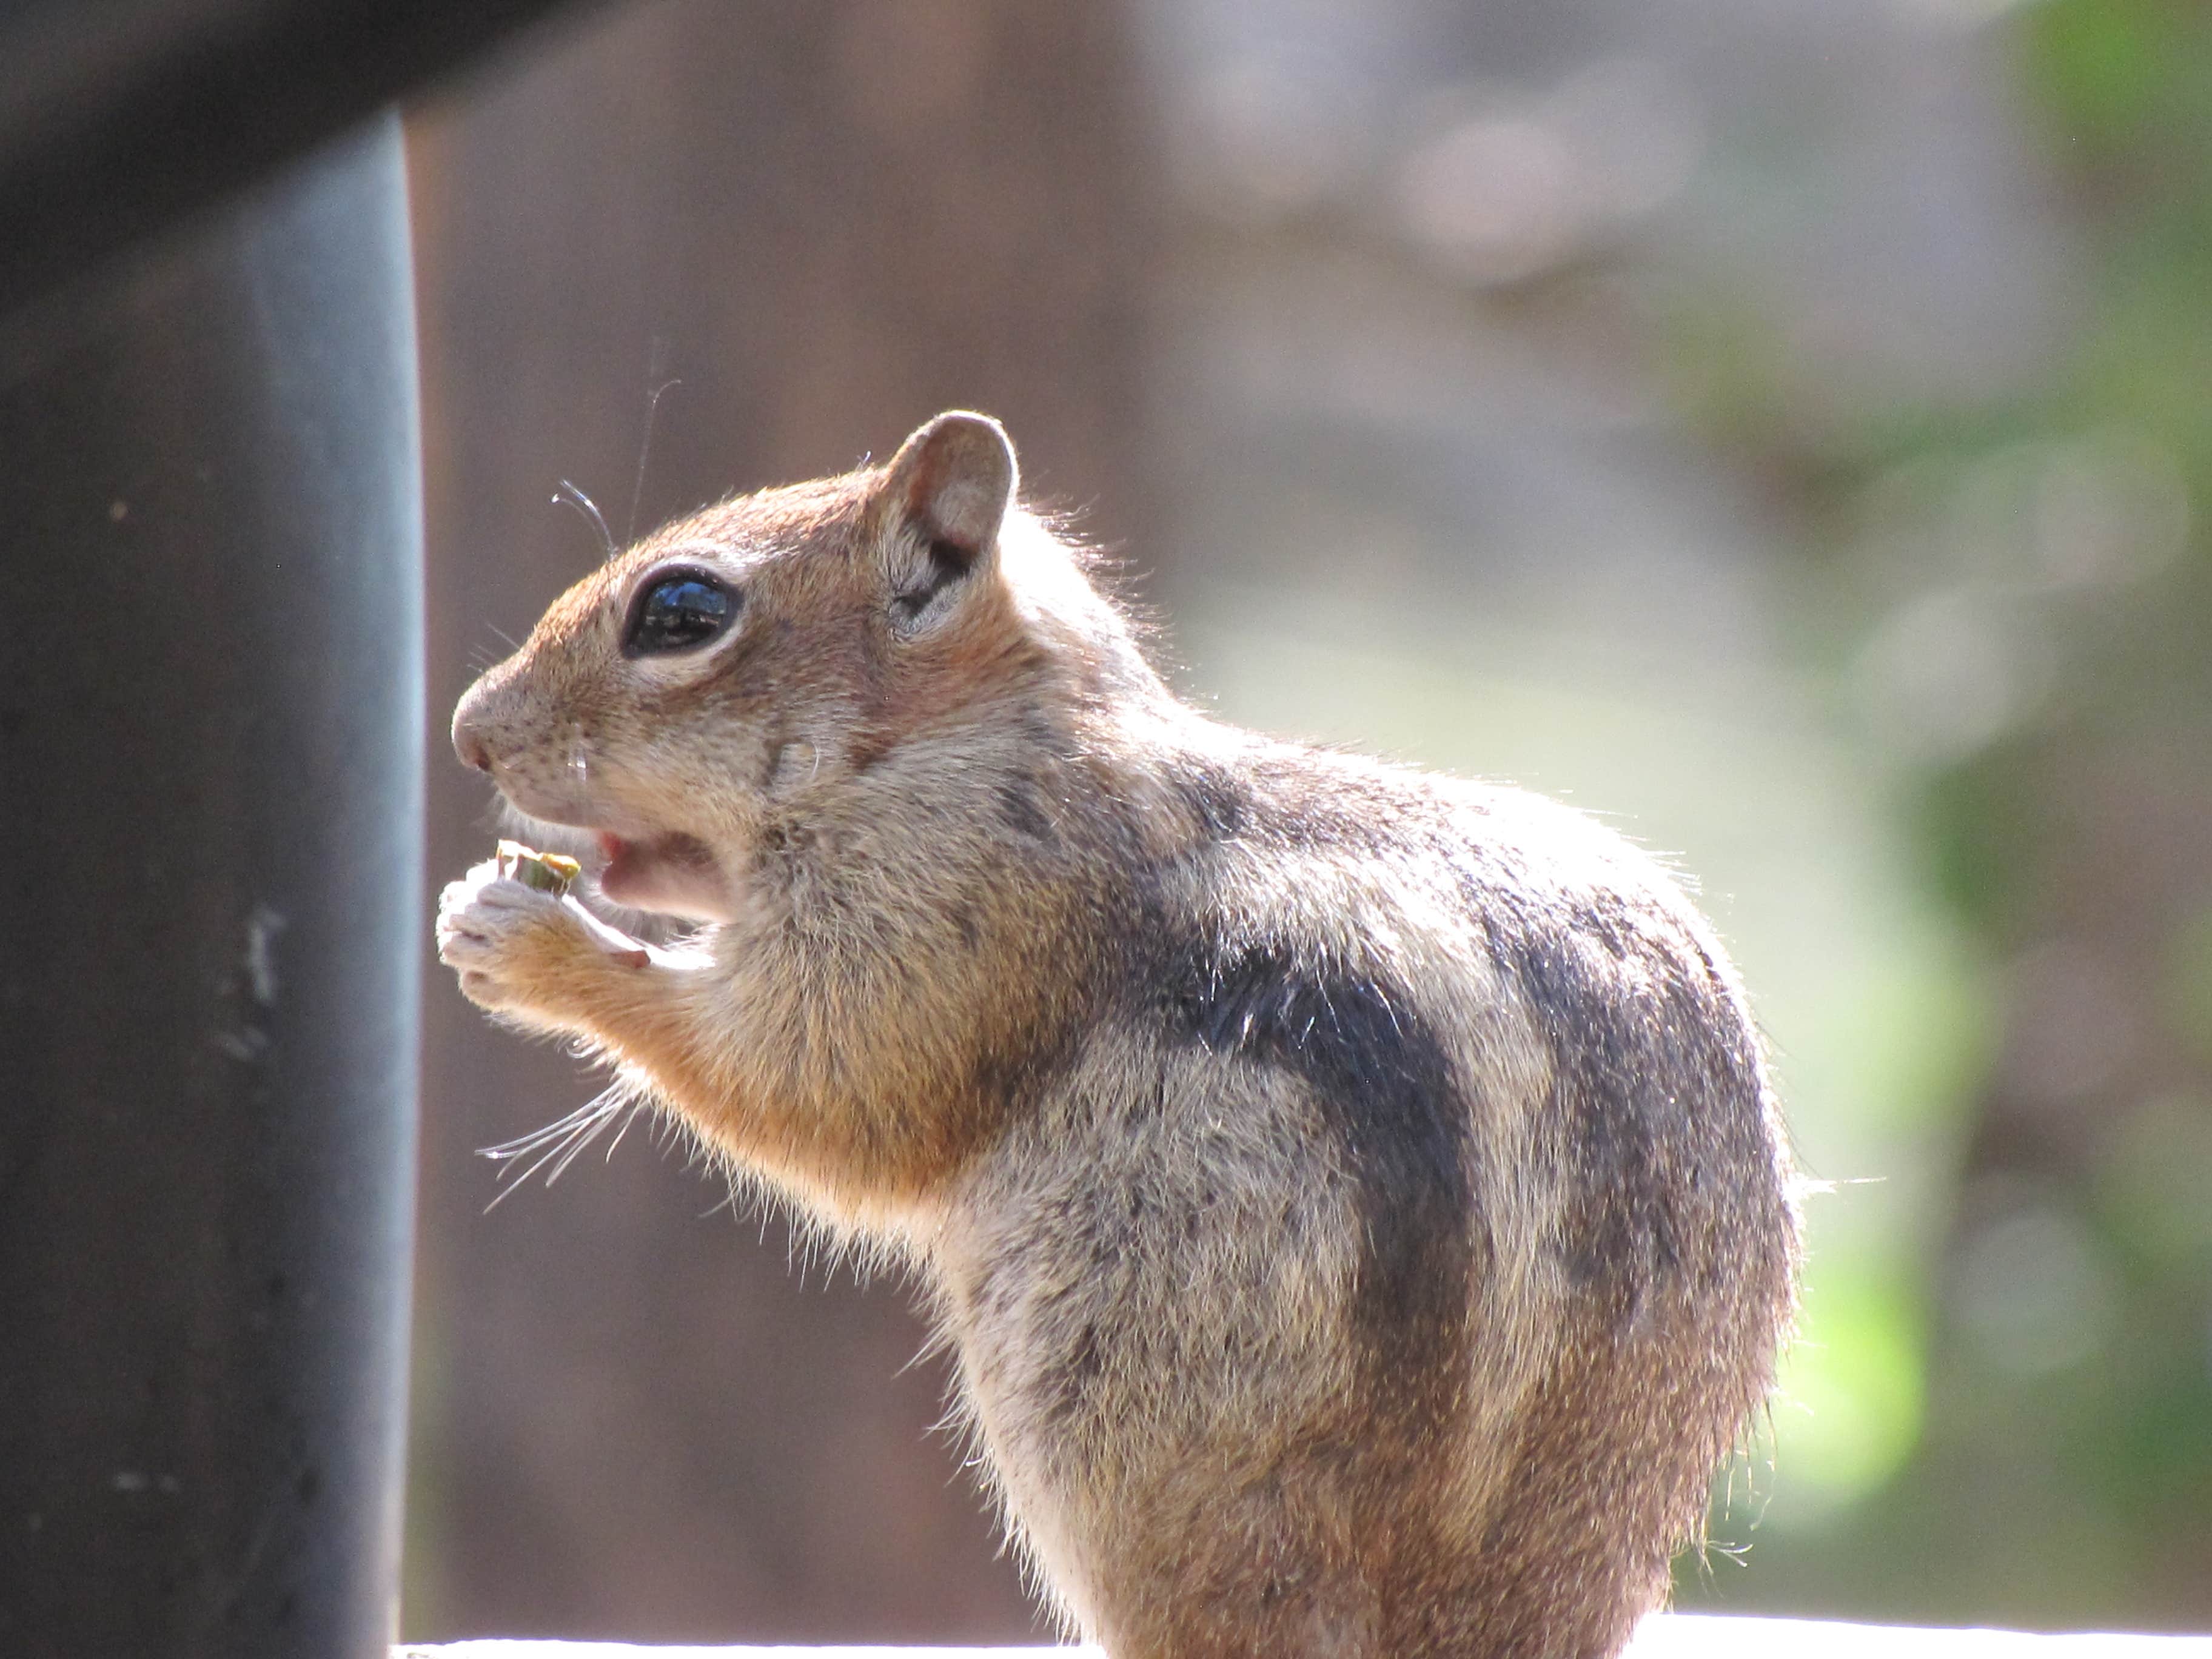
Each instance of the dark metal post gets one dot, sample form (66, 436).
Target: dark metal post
(212, 932)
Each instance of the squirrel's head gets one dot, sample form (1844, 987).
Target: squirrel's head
(720, 675)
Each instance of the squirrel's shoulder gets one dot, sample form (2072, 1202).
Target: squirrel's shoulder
(1271, 797)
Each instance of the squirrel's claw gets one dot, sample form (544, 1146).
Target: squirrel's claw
(500, 935)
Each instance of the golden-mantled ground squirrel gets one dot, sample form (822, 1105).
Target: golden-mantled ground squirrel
(1354, 1197)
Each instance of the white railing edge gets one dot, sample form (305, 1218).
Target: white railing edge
(1664, 1635)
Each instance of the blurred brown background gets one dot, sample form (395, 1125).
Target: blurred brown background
(1784, 427)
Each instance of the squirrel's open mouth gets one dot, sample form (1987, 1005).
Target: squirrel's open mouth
(638, 864)
(673, 874)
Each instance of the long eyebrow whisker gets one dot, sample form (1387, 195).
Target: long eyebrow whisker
(645, 444)
(569, 496)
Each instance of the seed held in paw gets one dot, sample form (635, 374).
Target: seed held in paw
(548, 872)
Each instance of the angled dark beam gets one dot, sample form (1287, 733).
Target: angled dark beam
(119, 119)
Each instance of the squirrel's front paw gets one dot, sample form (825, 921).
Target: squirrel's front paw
(522, 952)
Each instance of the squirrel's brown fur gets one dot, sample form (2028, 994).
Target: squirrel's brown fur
(1354, 1197)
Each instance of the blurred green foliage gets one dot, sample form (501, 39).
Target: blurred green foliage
(2044, 563)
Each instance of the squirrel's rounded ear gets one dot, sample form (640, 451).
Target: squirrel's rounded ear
(952, 480)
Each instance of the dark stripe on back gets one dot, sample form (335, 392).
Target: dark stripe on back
(1215, 798)
(1387, 1090)
(1021, 809)
(1656, 1099)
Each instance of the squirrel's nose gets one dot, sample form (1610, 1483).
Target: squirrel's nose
(469, 746)
(477, 718)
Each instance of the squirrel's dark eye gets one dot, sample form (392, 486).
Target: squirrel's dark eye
(681, 609)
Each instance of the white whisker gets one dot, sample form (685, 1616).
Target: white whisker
(628, 1118)
(556, 1145)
